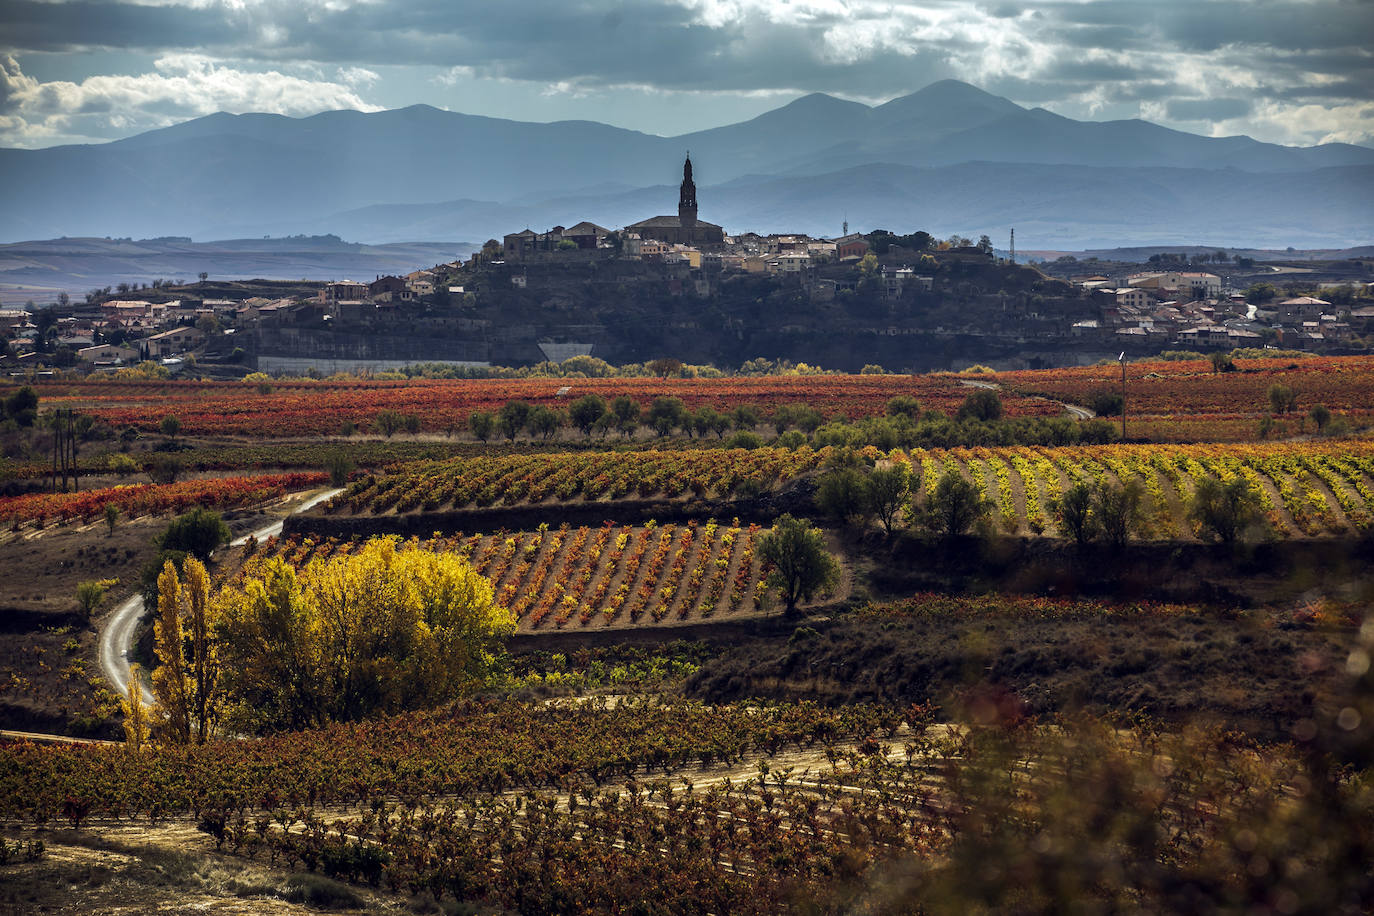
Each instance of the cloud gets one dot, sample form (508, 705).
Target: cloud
(182, 86)
(1079, 57)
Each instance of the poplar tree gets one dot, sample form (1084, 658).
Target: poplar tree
(187, 686)
(169, 680)
(135, 712)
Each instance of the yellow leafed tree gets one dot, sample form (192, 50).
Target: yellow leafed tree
(186, 681)
(135, 712)
(386, 628)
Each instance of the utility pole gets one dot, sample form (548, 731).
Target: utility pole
(1013, 247)
(1122, 359)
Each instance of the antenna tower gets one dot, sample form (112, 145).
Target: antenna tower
(1013, 246)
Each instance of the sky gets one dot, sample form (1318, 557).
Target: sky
(1297, 72)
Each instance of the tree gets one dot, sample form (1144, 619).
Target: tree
(22, 406)
(186, 681)
(90, 593)
(1075, 513)
(512, 419)
(956, 505)
(983, 404)
(888, 490)
(985, 244)
(387, 628)
(664, 367)
(745, 417)
(903, 405)
(585, 411)
(1321, 416)
(482, 423)
(1282, 398)
(169, 427)
(626, 413)
(843, 495)
(543, 422)
(801, 565)
(708, 420)
(1222, 362)
(203, 277)
(111, 517)
(388, 422)
(197, 533)
(135, 712)
(339, 466)
(1116, 511)
(667, 414)
(1261, 292)
(1224, 510)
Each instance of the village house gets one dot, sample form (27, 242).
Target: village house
(177, 340)
(851, 247)
(107, 353)
(341, 290)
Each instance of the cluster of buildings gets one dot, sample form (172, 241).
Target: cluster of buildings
(685, 240)
(1191, 309)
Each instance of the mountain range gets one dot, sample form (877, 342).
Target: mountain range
(949, 158)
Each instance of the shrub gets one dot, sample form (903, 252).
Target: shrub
(197, 532)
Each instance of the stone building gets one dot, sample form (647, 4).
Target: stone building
(685, 228)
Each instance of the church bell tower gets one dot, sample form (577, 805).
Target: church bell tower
(687, 199)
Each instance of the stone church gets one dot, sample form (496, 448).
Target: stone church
(685, 228)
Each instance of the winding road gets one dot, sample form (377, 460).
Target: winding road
(1079, 413)
(117, 635)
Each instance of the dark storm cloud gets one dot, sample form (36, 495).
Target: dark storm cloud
(1124, 58)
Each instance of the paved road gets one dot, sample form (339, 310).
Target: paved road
(117, 636)
(1079, 413)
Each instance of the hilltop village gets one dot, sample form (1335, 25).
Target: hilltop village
(680, 286)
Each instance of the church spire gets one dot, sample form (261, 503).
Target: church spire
(687, 199)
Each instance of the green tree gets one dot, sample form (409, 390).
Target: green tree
(956, 505)
(197, 533)
(1222, 362)
(888, 491)
(513, 418)
(1116, 510)
(22, 407)
(90, 593)
(626, 413)
(111, 517)
(1320, 416)
(1224, 511)
(983, 404)
(708, 420)
(585, 411)
(801, 565)
(1282, 398)
(843, 495)
(339, 466)
(388, 422)
(544, 422)
(745, 417)
(664, 367)
(1074, 511)
(903, 405)
(170, 426)
(482, 424)
(667, 414)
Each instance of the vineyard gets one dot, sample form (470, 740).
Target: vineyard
(1187, 401)
(576, 808)
(1304, 490)
(536, 478)
(135, 500)
(601, 577)
(304, 408)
